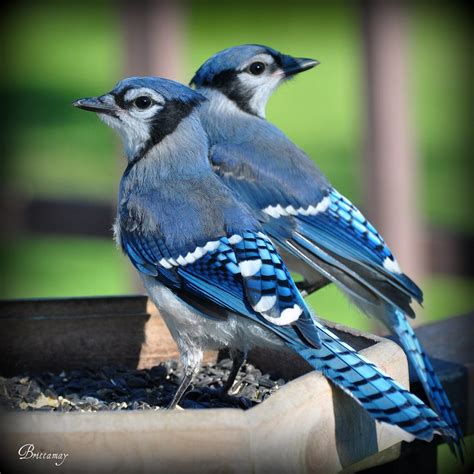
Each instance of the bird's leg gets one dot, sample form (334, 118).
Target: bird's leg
(189, 373)
(306, 287)
(238, 358)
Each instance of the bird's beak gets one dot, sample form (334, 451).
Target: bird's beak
(95, 104)
(292, 66)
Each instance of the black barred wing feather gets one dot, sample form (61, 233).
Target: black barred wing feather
(240, 273)
(244, 274)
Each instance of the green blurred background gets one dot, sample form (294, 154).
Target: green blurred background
(57, 52)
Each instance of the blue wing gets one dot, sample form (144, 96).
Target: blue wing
(261, 181)
(241, 273)
(341, 229)
(319, 226)
(244, 274)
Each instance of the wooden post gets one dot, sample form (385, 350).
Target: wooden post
(392, 184)
(153, 38)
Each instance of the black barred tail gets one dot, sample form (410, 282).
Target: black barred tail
(381, 396)
(430, 381)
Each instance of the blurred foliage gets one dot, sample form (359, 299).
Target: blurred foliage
(444, 296)
(65, 51)
(62, 266)
(442, 97)
(448, 465)
(58, 52)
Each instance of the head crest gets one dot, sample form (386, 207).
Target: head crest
(170, 90)
(228, 59)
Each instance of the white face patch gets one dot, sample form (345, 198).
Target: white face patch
(111, 121)
(263, 58)
(158, 102)
(261, 86)
(132, 94)
(133, 123)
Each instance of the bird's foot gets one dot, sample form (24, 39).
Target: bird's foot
(215, 397)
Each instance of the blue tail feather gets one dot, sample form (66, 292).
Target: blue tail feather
(385, 399)
(430, 381)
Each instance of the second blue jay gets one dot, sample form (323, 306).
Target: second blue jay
(320, 233)
(206, 263)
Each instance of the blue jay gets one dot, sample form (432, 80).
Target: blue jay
(319, 232)
(206, 262)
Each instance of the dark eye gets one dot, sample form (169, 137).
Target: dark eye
(257, 68)
(143, 102)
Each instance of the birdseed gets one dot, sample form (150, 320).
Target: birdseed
(115, 388)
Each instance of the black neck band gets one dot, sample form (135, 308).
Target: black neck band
(164, 124)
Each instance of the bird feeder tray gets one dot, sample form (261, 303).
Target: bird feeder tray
(307, 426)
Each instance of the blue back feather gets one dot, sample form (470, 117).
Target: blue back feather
(265, 169)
